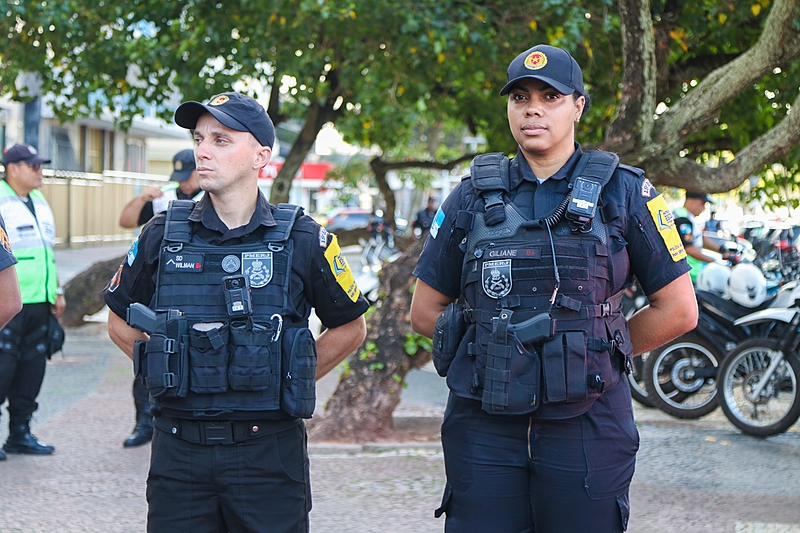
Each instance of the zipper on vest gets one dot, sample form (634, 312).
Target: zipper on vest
(644, 233)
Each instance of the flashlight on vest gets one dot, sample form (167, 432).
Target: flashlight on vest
(237, 295)
(583, 203)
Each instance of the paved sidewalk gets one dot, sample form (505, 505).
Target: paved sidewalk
(692, 476)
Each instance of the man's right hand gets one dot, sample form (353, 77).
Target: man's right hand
(151, 193)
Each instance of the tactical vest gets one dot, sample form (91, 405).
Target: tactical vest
(32, 240)
(521, 354)
(207, 364)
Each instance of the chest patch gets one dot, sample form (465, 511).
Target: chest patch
(184, 263)
(496, 276)
(231, 263)
(516, 253)
(258, 267)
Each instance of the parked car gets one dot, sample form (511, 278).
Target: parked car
(349, 218)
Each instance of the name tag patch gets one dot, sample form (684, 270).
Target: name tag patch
(515, 253)
(665, 224)
(258, 267)
(496, 276)
(184, 263)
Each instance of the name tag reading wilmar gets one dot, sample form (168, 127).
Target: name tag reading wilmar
(184, 263)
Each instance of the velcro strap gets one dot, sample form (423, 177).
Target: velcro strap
(498, 375)
(496, 400)
(498, 350)
(601, 345)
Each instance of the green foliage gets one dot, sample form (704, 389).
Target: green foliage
(414, 341)
(370, 350)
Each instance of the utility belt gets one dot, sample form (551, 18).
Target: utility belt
(225, 432)
(267, 366)
(526, 363)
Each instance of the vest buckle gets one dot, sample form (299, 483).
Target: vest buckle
(605, 309)
(175, 247)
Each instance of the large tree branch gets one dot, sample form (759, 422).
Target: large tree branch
(633, 124)
(768, 148)
(778, 44)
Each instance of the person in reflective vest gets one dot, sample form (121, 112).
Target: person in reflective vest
(184, 185)
(692, 233)
(538, 433)
(25, 341)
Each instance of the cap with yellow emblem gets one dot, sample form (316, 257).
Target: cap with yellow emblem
(552, 65)
(235, 110)
(182, 165)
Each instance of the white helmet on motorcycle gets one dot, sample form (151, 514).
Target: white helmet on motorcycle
(747, 286)
(714, 278)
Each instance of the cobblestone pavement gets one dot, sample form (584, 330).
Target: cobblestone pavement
(698, 476)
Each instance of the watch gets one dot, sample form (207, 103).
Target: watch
(60, 291)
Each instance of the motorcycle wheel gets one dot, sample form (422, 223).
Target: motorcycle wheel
(636, 381)
(669, 376)
(778, 406)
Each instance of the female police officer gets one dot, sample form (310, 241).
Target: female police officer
(539, 433)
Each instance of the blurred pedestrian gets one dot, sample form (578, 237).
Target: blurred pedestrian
(424, 217)
(692, 233)
(152, 201)
(538, 433)
(229, 283)
(27, 340)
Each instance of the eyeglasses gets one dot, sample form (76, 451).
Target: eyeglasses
(35, 167)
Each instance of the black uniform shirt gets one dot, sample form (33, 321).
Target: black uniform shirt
(312, 283)
(7, 259)
(656, 255)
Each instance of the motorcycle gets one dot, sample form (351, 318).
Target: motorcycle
(758, 380)
(681, 376)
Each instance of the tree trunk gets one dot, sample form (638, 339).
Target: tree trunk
(84, 292)
(360, 409)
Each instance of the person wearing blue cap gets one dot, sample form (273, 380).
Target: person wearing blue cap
(151, 201)
(25, 342)
(212, 304)
(538, 433)
(691, 233)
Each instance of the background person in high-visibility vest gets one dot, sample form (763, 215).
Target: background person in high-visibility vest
(152, 201)
(692, 233)
(24, 345)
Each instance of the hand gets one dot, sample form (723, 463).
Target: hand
(151, 193)
(58, 307)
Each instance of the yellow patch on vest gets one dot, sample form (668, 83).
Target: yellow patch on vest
(341, 270)
(665, 225)
(4, 241)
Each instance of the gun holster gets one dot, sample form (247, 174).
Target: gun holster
(447, 334)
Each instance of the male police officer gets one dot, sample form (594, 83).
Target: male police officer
(141, 209)
(230, 363)
(24, 346)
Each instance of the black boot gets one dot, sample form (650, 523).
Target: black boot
(143, 432)
(2, 455)
(20, 439)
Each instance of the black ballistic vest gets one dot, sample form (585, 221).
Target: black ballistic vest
(508, 278)
(216, 364)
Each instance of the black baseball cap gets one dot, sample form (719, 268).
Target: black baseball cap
(183, 165)
(235, 110)
(552, 65)
(23, 152)
(699, 196)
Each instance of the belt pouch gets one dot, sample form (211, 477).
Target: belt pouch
(254, 362)
(208, 358)
(576, 363)
(555, 381)
(165, 368)
(447, 334)
(299, 353)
